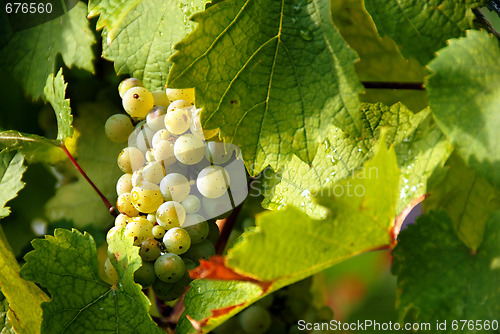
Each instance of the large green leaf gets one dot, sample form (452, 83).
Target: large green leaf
(420, 148)
(138, 35)
(55, 90)
(272, 75)
(468, 199)
(24, 298)
(97, 155)
(421, 27)
(81, 302)
(464, 94)
(288, 245)
(11, 172)
(30, 54)
(441, 279)
(35, 148)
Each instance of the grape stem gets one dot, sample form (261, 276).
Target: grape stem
(110, 208)
(226, 226)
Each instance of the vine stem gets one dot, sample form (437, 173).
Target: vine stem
(110, 208)
(226, 226)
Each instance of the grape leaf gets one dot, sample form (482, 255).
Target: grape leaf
(35, 148)
(97, 156)
(289, 75)
(421, 27)
(358, 220)
(464, 94)
(55, 89)
(420, 147)
(138, 35)
(81, 302)
(24, 298)
(468, 199)
(5, 325)
(30, 54)
(11, 172)
(441, 279)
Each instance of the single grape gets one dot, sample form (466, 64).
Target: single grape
(186, 94)
(137, 102)
(140, 229)
(147, 197)
(124, 184)
(169, 267)
(179, 104)
(219, 207)
(128, 83)
(110, 272)
(196, 227)
(192, 204)
(137, 179)
(175, 187)
(145, 275)
(111, 232)
(125, 206)
(177, 240)
(150, 155)
(189, 149)
(213, 181)
(144, 139)
(121, 220)
(255, 319)
(171, 214)
(158, 231)
(153, 172)
(151, 217)
(118, 127)
(177, 121)
(130, 159)
(169, 291)
(164, 153)
(218, 153)
(213, 231)
(202, 250)
(163, 134)
(160, 98)
(150, 249)
(156, 118)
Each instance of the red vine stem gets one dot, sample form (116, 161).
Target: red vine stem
(226, 226)
(110, 208)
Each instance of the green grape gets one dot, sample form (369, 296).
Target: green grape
(150, 249)
(192, 204)
(156, 118)
(124, 184)
(175, 187)
(186, 94)
(216, 207)
(112, 232)
(171, 214)
(177, 240)
(213, 181)
(218, 153)
(164, 153)
(196, 227)
(118, 127)
(203, 250)
(177, 120)
(150, 155)
(162, 134)
(153, 172)
(178, 104)
(140, 229)
(130, 159)
(111, 276)
(121, 220)
(147, 197)
(144, 138)
(195, 126)
(158, 231)
(137, 102)
(169, 291)
(169, 267)
(125, 206)
(128, 83)
(213, 231)
(151, 217)
(160, 98)
(137, 178)
(255, 319)
(189, 149)
(145, 275)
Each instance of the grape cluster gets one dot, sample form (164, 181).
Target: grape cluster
(175, 184)
(279, 313)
